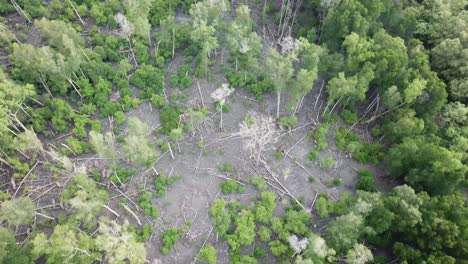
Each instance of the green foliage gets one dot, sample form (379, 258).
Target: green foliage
(360, 151)
(313, 155)
(349, 117)
(327, 163)
(320, 136)
(425, 165)
(9, 251)
(259, 183)
(149, 79)
(142, 234)
(119, 243)
(162, 183)
(138, 147)
(62, 246)
(288, 121)
(85, 198)
(226, 167)
(18, 211)
(265, 207)
(231, 186)
(221, 217)
(264, 234)
(278, 248)
(208, 254)
(147, 206)
(322, 207)
(343, 233)
(365, 181)
(121, 174)
(182, 79)
(169, 238)
(169, 117)
(244, 233)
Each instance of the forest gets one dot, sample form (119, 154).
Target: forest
(242, 131)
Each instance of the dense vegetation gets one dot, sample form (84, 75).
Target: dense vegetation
(396, 69)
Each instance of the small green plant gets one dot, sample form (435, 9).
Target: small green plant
(148, 208)
(231, 186)
(320, 136)
(349, 117)
(288, 121)
(169, 238)
(334, 182)
(226, 167)
(208, 254)
(313, 155)
(162, 183)
(278, 155)
(142, 234)
(259, 183)
(121, 175)
(322, 207)
(311, 179)
(327, 163)
(162, 145)
(264, 234)
(365, 181)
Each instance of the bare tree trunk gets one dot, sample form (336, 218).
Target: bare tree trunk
(337, 102)
(76, 12)
(278, 104)
(173, 42)
(170, 150)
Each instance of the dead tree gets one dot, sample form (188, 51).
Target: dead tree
(258, 133)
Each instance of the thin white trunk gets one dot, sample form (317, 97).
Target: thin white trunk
(278, 104)
(170, 150)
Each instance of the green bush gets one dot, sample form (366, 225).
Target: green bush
(169, 238)
(321, 136)
(226, 167)
(143, 234)
(288, 121)
(327, 163)
(264, 234)
(121, 175)
(182, 78)
(148, 208)
(149, 79)
(365, 181)
(231, 186)
(169, 117)
(208, 254)
(161, 184)
(313, 155)
(259, 183)
(322, 207)
(349, 117)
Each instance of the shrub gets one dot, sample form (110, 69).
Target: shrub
(313, 155)
(169, 238)
(365, 181)
(148, 208)
(259, 183)
(226, 167)
(264, 234)
(208, 254)
(161, 184)
(349, 117)
(288, 121)
(322, 207)
(231, 186)
(121, 175)
(169, 117)
(321, 136)
(327, 163)
(149, 79)
(333, 183)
